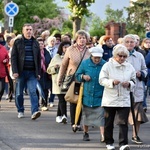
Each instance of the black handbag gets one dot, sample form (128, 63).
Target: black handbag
(67, 82)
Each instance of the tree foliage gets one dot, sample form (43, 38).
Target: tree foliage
(138, 20)
(115, 15)
(97, 27)
(78, 9)
(67, 27)
(1, 8)
(30, 8)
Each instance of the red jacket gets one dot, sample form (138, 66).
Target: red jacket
(3, 56)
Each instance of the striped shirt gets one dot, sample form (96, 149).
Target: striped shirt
(29, 59)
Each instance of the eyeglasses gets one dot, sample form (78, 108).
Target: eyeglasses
(124, 56)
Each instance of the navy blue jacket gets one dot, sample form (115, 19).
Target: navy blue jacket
(107, 52)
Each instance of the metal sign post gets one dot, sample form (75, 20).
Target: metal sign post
(11, 10)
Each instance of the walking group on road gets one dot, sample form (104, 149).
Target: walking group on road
(112, 74)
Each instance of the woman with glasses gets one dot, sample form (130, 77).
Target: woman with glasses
(118, 78)
(136, 59)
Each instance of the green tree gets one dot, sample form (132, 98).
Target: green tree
(67, 27)
(30, 8)
(78, 8)
(138, 20)
(115, 15)
(97, 27)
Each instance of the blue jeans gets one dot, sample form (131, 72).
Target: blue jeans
(29, 78)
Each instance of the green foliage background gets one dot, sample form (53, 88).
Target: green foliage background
(138, 15)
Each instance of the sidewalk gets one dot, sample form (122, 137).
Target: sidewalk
(45, 134)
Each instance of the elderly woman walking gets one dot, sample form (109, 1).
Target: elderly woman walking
(88, 73)
(70, 62)
(136, 59)
(118, 78)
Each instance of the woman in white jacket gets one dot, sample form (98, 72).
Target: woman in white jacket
(53, 69)
(118, 78)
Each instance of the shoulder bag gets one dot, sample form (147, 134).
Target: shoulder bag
(72, 93)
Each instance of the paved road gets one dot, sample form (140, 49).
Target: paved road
(45, 134)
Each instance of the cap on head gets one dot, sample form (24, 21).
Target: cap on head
(96, 51)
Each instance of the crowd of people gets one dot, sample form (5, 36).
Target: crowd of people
(110, 73)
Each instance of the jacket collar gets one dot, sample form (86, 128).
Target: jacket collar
(116, 63)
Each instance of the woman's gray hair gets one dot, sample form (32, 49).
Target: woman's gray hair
(81, 32)
(118, 49)
(129, 36)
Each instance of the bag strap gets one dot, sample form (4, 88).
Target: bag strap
(73, 76)
(80, 62)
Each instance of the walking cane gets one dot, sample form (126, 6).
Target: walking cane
(132, 111)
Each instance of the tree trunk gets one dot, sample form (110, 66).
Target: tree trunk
(76, 25)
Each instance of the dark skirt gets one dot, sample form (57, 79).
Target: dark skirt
(139, 114)
(93, 116)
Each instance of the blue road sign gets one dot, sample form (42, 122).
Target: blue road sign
(148, 34)
(11, 9)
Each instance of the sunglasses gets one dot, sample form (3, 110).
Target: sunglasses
(124, 56)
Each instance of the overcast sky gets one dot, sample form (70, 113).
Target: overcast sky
(100, 5)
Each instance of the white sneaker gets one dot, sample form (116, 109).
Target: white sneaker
(20, 114)
(124, 147)
(110, 147)
(51, 105)
(44, 108)
(35, 115)
(64, 119)
(59, 119)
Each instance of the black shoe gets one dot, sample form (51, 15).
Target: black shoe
(86, 137)
(145, 109)
(79, 128)
(137, 140)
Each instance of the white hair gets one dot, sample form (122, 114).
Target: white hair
(118, 49)
(132, 36)
(50, 38)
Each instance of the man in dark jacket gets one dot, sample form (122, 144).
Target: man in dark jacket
(26, 66)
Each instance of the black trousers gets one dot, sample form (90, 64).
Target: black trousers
(121, 114)
(72, 114)
(62, 105)
(2, 87)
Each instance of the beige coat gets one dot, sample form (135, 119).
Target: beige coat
(56, 60)
(71, 61)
